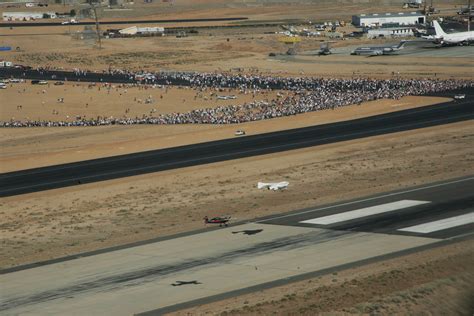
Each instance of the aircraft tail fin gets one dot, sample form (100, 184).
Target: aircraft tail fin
(401, 44)
(439, 31)
(261, 185)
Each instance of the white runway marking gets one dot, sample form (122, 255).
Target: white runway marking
(369, 199)
(363, 212)
(441, 224)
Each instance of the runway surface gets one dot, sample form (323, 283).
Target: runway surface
(414, 49)
(202, 267)
(58, 176)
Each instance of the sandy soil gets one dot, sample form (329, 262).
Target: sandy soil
(90, 101)
(34, 147)
(59, 222)
(253, 10)
(244, 51)
(409, 285)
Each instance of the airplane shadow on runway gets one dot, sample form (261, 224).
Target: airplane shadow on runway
(179, 283)
(249, 231)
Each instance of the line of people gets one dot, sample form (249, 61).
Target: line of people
(307, 95)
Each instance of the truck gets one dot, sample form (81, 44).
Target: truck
(71, 21)
(412, 4)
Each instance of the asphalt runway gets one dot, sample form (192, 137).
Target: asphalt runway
(197, 268)
(429, 50)
(436, 204)
(415, 49)
(412, 49)
(58, 176)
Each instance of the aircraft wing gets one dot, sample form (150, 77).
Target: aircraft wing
(263, 185)
(276, 187)
(279, 185)
(373, 53)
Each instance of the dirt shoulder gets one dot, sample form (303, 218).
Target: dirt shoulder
(438, 281)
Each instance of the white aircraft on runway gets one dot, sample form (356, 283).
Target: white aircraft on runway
(378, 51)
(275, 186)
(459, 38)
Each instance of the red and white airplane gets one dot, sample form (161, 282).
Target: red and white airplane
(221, 220)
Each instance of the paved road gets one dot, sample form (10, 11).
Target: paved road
(59, 23)
(168, 275)
(58, 75)
(46, 178)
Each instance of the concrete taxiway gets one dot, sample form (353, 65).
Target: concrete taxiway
(417, 49)
(162, 276)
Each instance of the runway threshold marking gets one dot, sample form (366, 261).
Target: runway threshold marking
(368, 199)
(364, 212)
(441, 224)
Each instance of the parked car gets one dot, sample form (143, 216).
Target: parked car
(42, 82)
(71, 21)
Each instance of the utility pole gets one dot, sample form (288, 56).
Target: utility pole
(94, 9)
(468, 15)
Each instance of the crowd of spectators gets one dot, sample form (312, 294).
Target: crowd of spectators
(308, 94)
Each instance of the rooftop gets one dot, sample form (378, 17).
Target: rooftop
(379, 15)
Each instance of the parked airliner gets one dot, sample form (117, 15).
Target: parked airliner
(377, 51)
(445, 39)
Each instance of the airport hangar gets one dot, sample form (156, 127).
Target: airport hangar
(379, 19)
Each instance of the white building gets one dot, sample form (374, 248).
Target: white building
(6, 63)
(390, 32)
(26, 16)
(142, 30)
(379, 19)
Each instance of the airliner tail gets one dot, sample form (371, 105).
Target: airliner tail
(439, 31)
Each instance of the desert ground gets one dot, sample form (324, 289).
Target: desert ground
(61, 222)
(223, 49)
(56, 223)
(68, 101)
